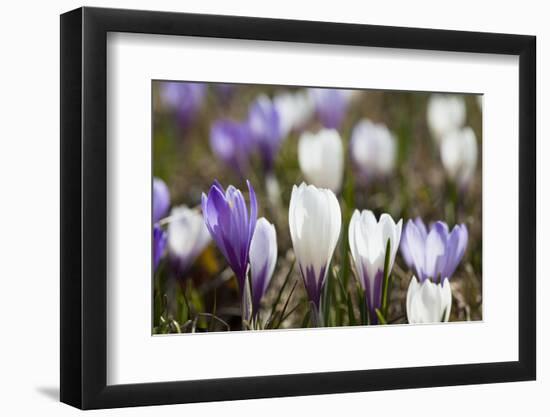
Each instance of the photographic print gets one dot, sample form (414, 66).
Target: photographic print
(287, 207)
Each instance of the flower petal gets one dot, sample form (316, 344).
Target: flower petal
(321, 158)
(263, 257)
(161, 199)
(435, 255)
(416, 247)
(187, 236)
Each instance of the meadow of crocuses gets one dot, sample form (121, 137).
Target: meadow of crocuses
(280, 207)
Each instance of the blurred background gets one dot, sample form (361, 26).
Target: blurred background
(422, 158)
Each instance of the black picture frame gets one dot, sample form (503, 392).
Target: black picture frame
(84, 207)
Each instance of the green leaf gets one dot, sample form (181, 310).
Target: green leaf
(327, 299)
(287, 315)
(246, 303)
(349, 200)
(305, 321)
(381, 318)
(385, 285)
(351, 315)
(175, 324)
(189, 311)
(443, 316)
(347, 300)
(362, 305)
(214, 308)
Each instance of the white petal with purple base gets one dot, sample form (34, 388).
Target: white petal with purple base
(315, 221)
(368, 240)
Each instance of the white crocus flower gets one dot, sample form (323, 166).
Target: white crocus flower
(445, 113)
(458, 151)
(187, 236)
(295, 110)
(315, 221)
(368, 240)
(262, 258)
(372, 149)
(428, 302)
(321, 158)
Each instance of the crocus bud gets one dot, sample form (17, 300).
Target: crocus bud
(230, 142)
(184, 98)
(428, 302)
(263, 257)
(295, 110)
(445, 113)
(315, 220)
(372, 149)
(161, 199)
(458, 151)
(265, 131)
(225, 91)
(231, 225)
(187, 237)
(321, 158)
(331, 105)
(368, 240)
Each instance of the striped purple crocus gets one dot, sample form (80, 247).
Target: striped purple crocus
(231, 225)
(433, 253)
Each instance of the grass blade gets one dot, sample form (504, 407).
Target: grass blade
(385, 284)
(285, 282)
(327, 298)
(282, 314)
(305, 321)
(381, 318)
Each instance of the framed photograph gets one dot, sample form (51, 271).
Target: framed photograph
(258, 208)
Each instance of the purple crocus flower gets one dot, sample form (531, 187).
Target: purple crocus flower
(435, 253)
(159, 243)
(161, 199)
(230, 142)
(225, 91)
(331, 105)
(265, 129)
(231, 225)
(184, 98)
